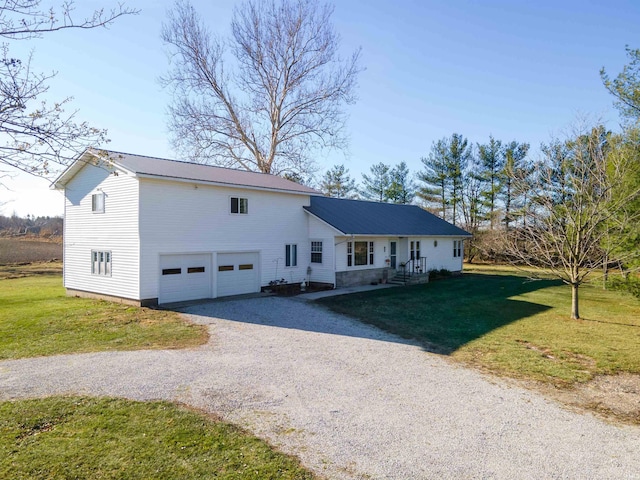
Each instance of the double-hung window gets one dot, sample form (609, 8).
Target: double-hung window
(239, 205)
(97, 202)
(415, 250)
(316, 252)
(101, 262)
(457, 248)
(291, 255)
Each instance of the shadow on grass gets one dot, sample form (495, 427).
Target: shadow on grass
(441, 316)
(445, 315)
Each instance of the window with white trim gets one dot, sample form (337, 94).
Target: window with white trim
(101, 262)
(239, 205)
(316, 252)
(457, 248)
(415, 250)
(97, 202)
(291, 255)
(359, 253)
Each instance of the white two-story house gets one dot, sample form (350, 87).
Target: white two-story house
(146, 230)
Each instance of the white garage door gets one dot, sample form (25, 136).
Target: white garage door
(184, 277)
(238, 273)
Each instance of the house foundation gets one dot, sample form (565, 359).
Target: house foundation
(361, 277)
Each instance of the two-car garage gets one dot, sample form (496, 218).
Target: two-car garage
(189, 276)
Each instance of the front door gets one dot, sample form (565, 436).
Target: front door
(393, 246)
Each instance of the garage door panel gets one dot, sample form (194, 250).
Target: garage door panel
(184, 277)
(237, 273)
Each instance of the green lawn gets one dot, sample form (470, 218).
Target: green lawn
(36, 318)
(499, 320)
(62, 438)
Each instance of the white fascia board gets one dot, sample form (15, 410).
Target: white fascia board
(400, 235)
(83, 159)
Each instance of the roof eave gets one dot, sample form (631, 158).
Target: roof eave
(61, 181)
(79, 163)
(152, 176)
(400, 235)
(325, 222)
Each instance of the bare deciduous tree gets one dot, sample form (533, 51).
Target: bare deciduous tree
(37, 136)
(575, 207)
(265, 98)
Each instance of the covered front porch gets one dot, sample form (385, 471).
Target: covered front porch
(371, 260)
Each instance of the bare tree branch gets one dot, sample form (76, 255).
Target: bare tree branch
(36, 136)
(283, 98)
(577, 206)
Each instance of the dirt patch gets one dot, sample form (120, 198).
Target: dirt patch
(614, 397)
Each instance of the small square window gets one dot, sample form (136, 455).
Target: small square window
(97, 202)
(239, 205)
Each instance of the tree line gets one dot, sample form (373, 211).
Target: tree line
(469, 185)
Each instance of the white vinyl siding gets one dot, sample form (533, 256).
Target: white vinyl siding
(97, 202)
(114, 231)
(438, 251)
(200, 222)
(319, 231)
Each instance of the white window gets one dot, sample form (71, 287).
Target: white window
(359, 253)
(239, 205)
(457, 248)
(415, 250)
(316, 252)
(97, 202)
(101, 262)
(291, 255)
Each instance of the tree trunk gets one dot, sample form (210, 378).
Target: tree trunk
(575, 312)
(605, 272)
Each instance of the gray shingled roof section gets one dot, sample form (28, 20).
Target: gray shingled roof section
(206, 173)
(357, 217)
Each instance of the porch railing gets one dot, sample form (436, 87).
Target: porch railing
(414, 266)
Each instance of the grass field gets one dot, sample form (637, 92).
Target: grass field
(20, 250)
(63, 438)
(498, 320)
(37, 318)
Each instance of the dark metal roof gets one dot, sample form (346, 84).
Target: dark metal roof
(357, 217)
(173, 169)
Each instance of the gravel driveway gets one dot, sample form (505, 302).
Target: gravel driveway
(351, 401)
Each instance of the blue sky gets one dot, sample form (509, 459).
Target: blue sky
(517, 70)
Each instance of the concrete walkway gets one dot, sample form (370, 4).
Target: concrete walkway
(351, 401)
(343, 291)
